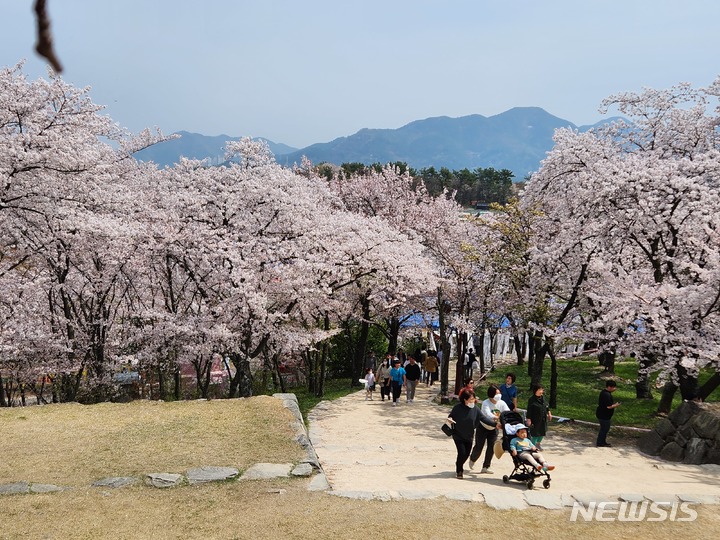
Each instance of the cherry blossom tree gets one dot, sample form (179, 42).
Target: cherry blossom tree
(628, 241)
(437, 223)
(62, 220)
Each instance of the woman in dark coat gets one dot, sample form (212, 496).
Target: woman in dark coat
(465, 417)
(538, 414)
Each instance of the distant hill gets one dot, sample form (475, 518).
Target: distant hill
(196, 146)
(517, 139)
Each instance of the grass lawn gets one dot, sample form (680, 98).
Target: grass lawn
(334, 389)
(74, 445)
(579, 383)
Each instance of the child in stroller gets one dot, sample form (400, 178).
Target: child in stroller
(524, 470)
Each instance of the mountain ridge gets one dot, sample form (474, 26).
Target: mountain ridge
(517, 139)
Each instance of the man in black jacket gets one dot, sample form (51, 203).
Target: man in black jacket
(412, 376)
(605, 409)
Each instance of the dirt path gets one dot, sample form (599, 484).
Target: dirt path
(370, 449)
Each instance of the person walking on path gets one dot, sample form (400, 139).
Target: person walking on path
(369, 384)
(431, 367)
(412, 376)
(464, 419)
(383, 378)
(538, 415)
(604, 412)
(509, 391)
(486, 434)
(397, 379)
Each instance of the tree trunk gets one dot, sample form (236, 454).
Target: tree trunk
(176, 381)
(493, 347)
(361, 350)
(161, 382)
(688, 384)
(531, 353)
(393, 333)
(323, 360)
(3, 402)
(481, 351)
(709, 387)
(553, 375)
(668, 393)
(540, 349)
(459, 365)
(642, 386)
(241, 383)
(276, 366)
(607, 360)
(519, 352)
(202, 376)
(445, 347)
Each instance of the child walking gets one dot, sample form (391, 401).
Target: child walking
(369, 384)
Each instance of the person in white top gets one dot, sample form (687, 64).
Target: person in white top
(487, 434)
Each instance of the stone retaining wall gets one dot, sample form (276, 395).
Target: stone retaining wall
(690, 434)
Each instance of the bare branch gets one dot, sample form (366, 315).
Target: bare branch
(44, 45)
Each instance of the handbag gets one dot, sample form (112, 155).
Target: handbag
(447, 430)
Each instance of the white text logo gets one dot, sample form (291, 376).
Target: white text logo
(634, 511)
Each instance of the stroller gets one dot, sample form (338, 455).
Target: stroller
(523, 471)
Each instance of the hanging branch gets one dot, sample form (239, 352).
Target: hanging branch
(44, 45)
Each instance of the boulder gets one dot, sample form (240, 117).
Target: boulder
(695, 451)
(672, 451)
(665, 428)
(706, 424)
(683, 413)
(651, 443)
(712, 455)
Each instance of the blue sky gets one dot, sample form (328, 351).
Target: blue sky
(301, 72)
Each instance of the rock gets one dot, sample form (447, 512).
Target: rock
(505, 500)
(683, 413)
(672, 451)
(45, 488)
(651, 443)
(319, 483)
(302, 469)
(712, 455)
(665, 428)
(115, 481)
(695, 451)
(706, 425)
(14, 488)
(163, 480)
(680, 439)
(211, 474)
(264, 471)
(549, 501)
